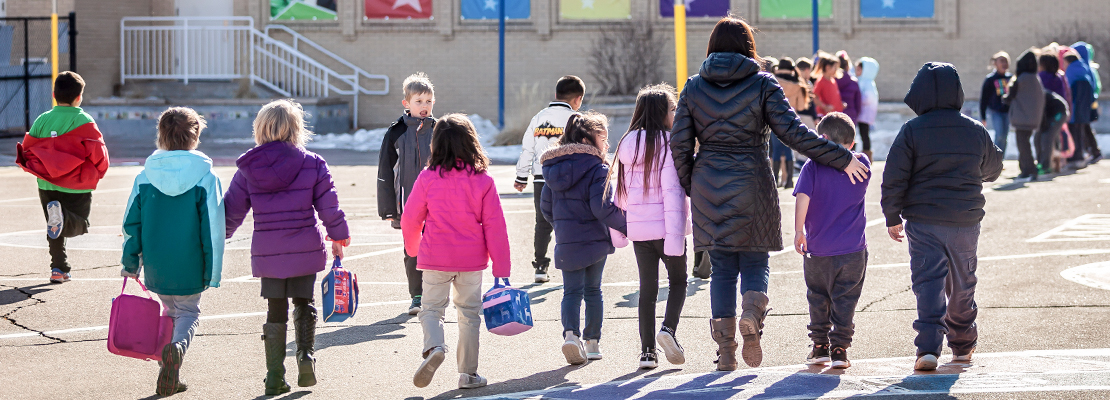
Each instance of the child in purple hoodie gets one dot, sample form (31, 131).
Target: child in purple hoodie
(287, 186)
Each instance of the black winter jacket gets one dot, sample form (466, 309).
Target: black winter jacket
(938, 162)
(575, 202)
(726, 111)
(405, 151)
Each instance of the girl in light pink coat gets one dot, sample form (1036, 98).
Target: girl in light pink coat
(658, 215)
(454, 224)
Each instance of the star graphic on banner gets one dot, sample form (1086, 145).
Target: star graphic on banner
(587, 4)
(491, 5)
(688, 3)
(888, 3)
(415, 4)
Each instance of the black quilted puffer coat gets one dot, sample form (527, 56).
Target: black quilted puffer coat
(724, 113)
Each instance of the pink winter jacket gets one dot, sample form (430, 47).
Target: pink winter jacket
(454, 223)
(662, 212)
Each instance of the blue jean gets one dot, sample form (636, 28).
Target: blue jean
(185, 312)
(751, 267)
(1000, 123)
(579, 285)
(942, 268)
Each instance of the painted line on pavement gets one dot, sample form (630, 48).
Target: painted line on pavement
(1096, 275)
(203, 317)
(1063, 253)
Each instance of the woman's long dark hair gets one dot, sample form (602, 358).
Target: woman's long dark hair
(732, 35)
(653, 103)
(455, 146)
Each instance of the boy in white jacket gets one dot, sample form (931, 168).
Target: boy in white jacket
(543, 132)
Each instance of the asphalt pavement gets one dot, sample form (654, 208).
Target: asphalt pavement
(1043, 296)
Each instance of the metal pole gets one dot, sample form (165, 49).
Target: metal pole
(501, 67)
(816, 29)
(54, 46)
(680, 44)
(27, 76)
(73, 41)
(185, 58)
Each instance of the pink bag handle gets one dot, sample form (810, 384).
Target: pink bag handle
(140, 285)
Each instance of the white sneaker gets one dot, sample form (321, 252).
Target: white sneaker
(674, 352)
(572, 349)
(593, 350)
(54, 219)
(926, 362)
(428, 368)
(468, 381)
(966, 358)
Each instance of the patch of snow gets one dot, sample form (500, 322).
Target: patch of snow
(371, 140)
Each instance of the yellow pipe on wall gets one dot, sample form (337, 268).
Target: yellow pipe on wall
(681, 73)
(53, 52)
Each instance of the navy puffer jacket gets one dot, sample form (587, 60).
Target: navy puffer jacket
(575, 202)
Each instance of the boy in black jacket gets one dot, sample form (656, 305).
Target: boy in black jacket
(934, 179)
(405, 151)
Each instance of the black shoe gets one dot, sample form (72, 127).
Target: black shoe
(541, 270)
(649, 360)
(819, 355)
(840, 358)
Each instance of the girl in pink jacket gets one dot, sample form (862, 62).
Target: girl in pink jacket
(454, 224)
(658, 217)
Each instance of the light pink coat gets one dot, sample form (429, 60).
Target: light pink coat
(663, 212)
(454, 223)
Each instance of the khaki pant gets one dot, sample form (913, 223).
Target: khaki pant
(468, 302)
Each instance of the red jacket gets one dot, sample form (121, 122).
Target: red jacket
(76, 160)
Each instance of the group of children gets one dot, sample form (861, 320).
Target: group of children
(433, 185)
(1051, 98)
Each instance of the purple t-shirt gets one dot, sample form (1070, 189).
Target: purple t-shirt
(835, 220)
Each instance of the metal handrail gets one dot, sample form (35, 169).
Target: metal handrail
(307, 70)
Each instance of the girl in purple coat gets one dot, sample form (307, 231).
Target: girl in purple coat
(287, 186)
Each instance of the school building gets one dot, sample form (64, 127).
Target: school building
(343, 52)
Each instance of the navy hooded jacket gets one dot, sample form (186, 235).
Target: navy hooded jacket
(938, 162)
(575, 202)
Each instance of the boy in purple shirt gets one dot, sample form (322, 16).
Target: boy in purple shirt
(833, 245)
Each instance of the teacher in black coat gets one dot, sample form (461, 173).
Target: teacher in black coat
(724, 119)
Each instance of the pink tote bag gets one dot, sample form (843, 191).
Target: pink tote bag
(136, 327)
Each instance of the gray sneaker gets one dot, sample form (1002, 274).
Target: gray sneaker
(572, 349)
(54, 219)
(468, 381)
(593, 350)
(428, 368)
(926, 362)
(964, 358)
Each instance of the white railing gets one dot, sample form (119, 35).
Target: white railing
(224, 48)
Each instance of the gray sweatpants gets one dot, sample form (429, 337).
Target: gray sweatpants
(185, 311)
(942, 267)
(834, 284)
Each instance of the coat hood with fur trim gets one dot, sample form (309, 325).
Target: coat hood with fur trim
(570, 163)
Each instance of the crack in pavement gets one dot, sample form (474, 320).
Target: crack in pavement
(30, 296)
(864, 309)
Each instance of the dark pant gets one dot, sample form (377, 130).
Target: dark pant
(415, 276)
(834, 284)
(942, 268)
(1045, 141)
(865, 135)
(1078, 135)
(782, 155)
(75, 222)
(543, 228)
(751, 267)
(648, 255)
(578, 285)
(278, 310)
(1025, 152)
(1090, 141)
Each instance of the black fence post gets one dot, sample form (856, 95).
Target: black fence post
(73, 41)
(27, 76)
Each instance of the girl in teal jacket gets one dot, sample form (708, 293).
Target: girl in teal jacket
(174, 226)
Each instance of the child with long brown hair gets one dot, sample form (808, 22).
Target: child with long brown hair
(658, 217)
(454, 224)
(577, 202)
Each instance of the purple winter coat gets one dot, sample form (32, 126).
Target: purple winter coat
(287, 186)
(850, 95)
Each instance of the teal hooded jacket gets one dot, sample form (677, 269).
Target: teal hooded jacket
(174, 224)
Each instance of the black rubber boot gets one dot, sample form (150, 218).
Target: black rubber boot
(274, 337)
(304, 322)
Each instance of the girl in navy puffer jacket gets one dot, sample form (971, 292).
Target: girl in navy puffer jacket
(577, 203)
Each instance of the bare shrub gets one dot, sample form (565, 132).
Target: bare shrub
(527, 100)
(626, 57)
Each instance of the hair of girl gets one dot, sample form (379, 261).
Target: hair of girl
(584, 127)
(455, 146)
(826, 60)
(653, 102)
(281, 121)
(787, 68)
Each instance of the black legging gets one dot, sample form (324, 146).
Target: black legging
(865, 135)
(1025, 152)
(648, 255)
(278, 312)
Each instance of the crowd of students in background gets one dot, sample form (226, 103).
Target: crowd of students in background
(1051, 98)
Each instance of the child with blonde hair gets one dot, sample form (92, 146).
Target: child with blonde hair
(287, 186)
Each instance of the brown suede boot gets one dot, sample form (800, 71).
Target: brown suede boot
(724, 333)
(751, 326)
(868, 154)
